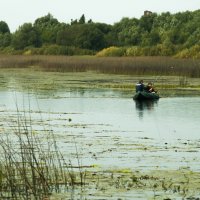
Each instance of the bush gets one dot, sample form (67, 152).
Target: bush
(57, 50)
(54, 50)
(11, 51)
(112, 52)
(158, 50)
(134, 51)
(165, 50)
(193, 52)
(8, 50)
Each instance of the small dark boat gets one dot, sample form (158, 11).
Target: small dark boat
(142, 95)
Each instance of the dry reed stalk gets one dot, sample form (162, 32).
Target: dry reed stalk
(114, 65)
(30, 168)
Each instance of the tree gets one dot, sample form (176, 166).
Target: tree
(90, 21)
(66, 37)
(150, 39)
(193, 39)
(5, 39)
(146, 22)
(25, 36)
(91, 38)
(126, 32)
(87, 36)
(4, 27)
(82, 19)
(5, 36)
(73, 22)
(46, 21)
(48, 28)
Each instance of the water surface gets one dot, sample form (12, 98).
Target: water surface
(113, 131)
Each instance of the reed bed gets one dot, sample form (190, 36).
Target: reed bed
(110, 65)
(32, 167)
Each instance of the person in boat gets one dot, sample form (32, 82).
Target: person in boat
(149, 88)
(139, 86)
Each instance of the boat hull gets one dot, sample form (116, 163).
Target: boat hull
(145, 96)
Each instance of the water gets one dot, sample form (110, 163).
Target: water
(110, 129)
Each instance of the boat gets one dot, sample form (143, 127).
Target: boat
(143, 95)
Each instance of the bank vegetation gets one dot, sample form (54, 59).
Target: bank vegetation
(152, 34)
(156, 66)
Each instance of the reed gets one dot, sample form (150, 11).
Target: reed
(109, 65)
(32, 168)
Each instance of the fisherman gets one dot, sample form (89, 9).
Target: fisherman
(139, 86)
(149, 88)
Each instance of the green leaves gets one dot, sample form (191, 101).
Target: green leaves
(4, 27)
(153, 34)
(26, 36)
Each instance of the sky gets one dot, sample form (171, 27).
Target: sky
(18, 12)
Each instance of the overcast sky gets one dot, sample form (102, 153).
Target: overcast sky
(17, 12)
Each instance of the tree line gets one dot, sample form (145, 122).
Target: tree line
(162, 34)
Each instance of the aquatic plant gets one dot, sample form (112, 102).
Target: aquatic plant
(31, 166)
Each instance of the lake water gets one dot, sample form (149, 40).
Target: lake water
(111, 130)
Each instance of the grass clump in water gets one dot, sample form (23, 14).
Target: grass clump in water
(32, 167)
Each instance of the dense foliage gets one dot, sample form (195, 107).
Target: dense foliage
(153, 34)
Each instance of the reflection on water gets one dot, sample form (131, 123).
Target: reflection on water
(111, 131)
(106, 107)
(141, 106)
(102, 120)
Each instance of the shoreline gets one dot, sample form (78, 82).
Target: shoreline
(31, 79)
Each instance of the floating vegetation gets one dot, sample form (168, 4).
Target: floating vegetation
(32, 168)
(92, 84)
(115, 160)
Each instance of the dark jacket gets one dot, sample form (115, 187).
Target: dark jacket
(139, 87)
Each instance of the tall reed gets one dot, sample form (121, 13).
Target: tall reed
(115, 65)
(31, 168)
